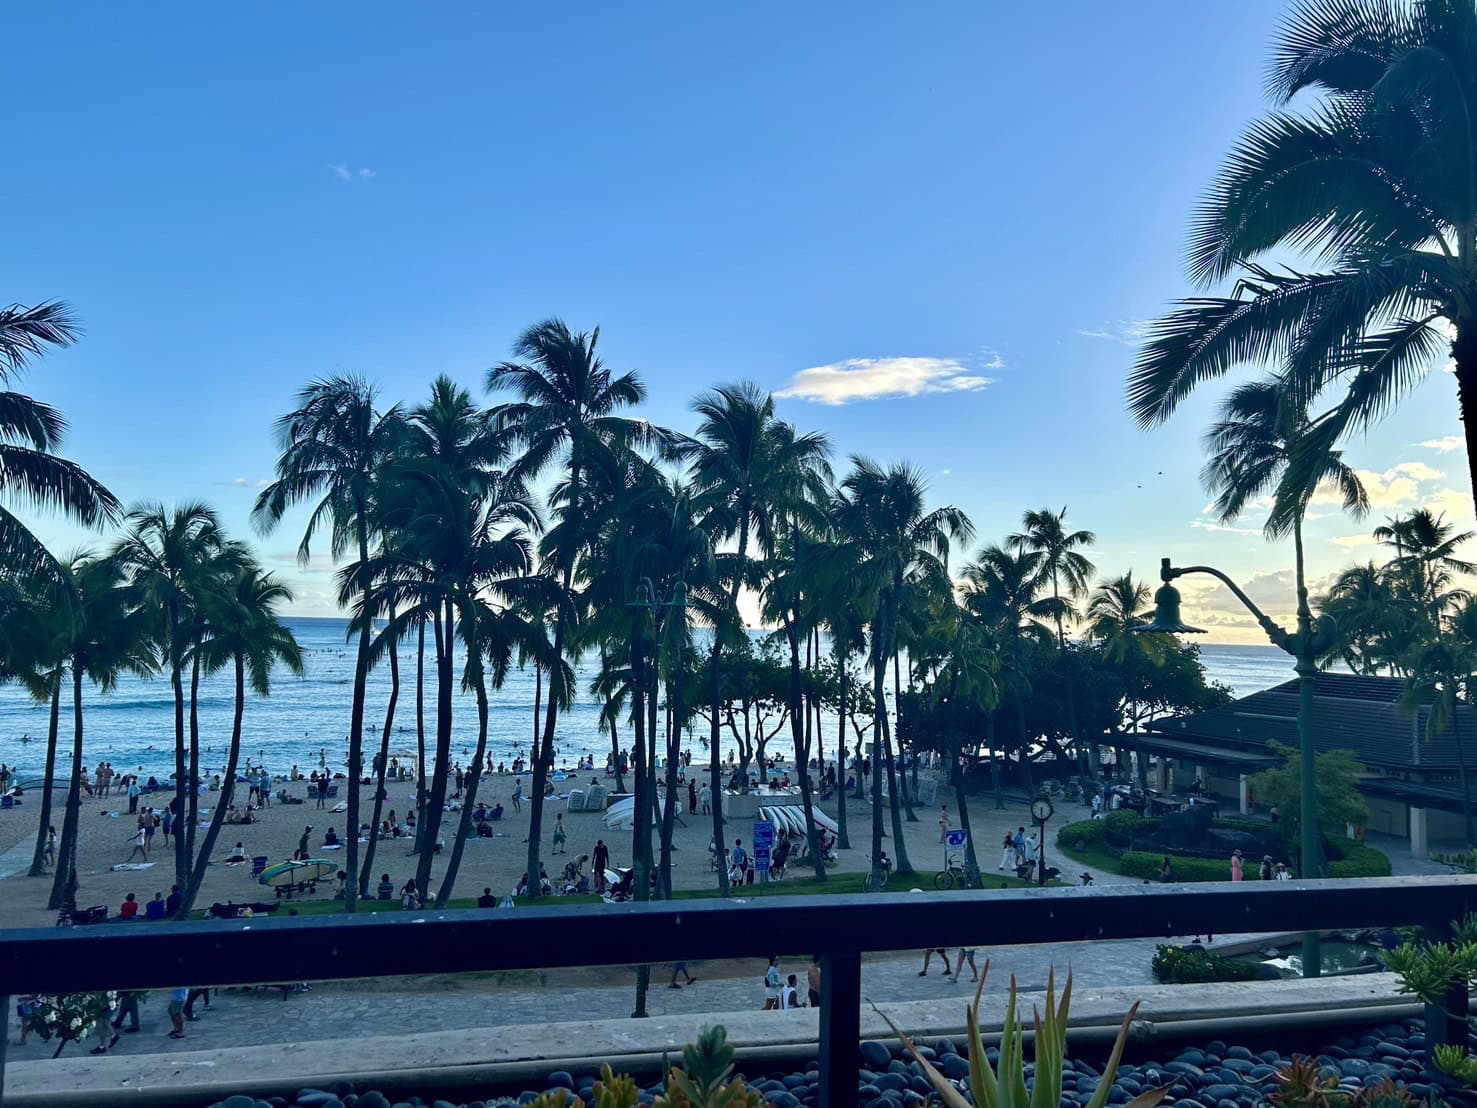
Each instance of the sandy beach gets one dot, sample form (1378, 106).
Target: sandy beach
(497, 863)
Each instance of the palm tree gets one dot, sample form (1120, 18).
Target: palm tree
(1001, 591)
(108, 636)
(165, 555)
(1118, 608)
(30, 434)
(1372, 177)
(247, 636)
(747, 459)
(1045, 533)
(883, 512)
(1362, 604)
(837, 604)
(1425, 549)
(38, 631)
(565, 415)
(1441, 668)
(334, 447)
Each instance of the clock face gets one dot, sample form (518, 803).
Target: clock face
(1041, 809)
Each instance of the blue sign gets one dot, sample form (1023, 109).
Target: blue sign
(763, 843)
(957, 839)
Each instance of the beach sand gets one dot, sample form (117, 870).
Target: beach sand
(493, 863)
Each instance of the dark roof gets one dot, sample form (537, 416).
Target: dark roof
(1349, 713)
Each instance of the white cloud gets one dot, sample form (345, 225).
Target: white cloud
(1221, 528)
(1130, 332)
(945, 472)
(348, 173)
(1420, 471)
(881, 379)
(1456, 504)
(995, 362)
(1396, 487)
(1354, 540)
(1446, 445)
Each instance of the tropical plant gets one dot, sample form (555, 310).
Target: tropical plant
(882, 511)
(68, 1016)
(335, 446)
(1369, 175)
(247, 636)
(1006, 1088)
(565, 416)
(30, 434)
(1426, 969)
(1060, 558)
(1336, 777)
(1180, 965)
(39, 628)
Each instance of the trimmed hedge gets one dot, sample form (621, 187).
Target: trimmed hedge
(1359, 861)
(1179, 965)
(1082, 834)
(1140, 863)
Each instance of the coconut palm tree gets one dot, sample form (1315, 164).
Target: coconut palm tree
(1440, 668)
(108, 636)
(883, 512)
(744, 456)
(246, 635)
(30, 434)
(1365, 166)
(1045, 533)
(335, 446)
(1362, 602)
(166, 555)
(1118, 608)
(1002, 591)
(1425, 549)
(565, 416)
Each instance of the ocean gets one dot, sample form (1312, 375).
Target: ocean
(133, 727)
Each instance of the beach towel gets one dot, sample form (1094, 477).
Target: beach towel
(129, 867)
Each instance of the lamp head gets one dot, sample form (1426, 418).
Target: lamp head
(1167, 619)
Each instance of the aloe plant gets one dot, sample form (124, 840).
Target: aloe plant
(1006, 1088)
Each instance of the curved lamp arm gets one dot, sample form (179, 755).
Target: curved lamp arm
(1276, 633)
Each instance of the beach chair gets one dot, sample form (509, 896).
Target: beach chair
(575, 803)
(595, 799)
(332, 792)
(7, 801)
(258, 865)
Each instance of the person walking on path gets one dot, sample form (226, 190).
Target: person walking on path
(1007, 853)
(772, 985)
(1266, 870)
(943, 822)
(51, 847)
(929, 953)
(600, 860)
(559, 836)
(517, 794)
(1237, 865)
(692, 794)
(813, 980)
(127, 1009)
(966, 954)
(688, 979)
(177, 998)
(140, 846)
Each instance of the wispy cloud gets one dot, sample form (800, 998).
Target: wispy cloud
(1396, 487)
(945, 472)
(1224, 529)
(1354, 540)
(1446, 445)
(1130, 332)
(245, 483)
(882, 379)
(348, 173)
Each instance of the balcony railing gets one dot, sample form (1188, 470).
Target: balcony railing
(840, 928)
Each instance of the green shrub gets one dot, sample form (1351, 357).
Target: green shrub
(1082, 834)
(1179, 965)
(1359, 861)
(1122, 826)
(1141, 863)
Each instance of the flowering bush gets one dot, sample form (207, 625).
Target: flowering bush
(69, 1016)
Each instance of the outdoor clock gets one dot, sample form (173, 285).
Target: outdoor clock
(1041, 809)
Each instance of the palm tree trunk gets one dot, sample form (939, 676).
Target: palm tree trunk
(843, 842)
(640, 824)
(436, 802)
(182, 783)
(356, 725)
(879, 665)
(538, 700)
(994, 761)
(420, 735)
(674, 752)
(367, 870)
(1461, 765)
(901, 865)
(48, 779)
(193, 819)
(798, 733)
(1020, 719)
(813, 705)
(64, 882)
(971, 862)
(897, 711)
(473, 778)
(715, 765)
(223, 802)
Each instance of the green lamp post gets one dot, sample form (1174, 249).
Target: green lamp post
(1311, 639)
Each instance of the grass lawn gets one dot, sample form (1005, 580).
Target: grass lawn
(836, 884)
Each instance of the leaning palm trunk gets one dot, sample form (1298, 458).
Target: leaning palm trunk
(356, 728)
(223, 802)
(436, 802)
(420, 736)
(48, 780)
(900, 848)
(473, 778)
(897, 702)
(182, 782)
(64, 883)
(367, 870)
(640, 823)
(715, 765)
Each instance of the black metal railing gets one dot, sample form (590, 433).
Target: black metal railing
(840, 928)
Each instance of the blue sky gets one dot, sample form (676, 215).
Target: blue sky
(979, 204)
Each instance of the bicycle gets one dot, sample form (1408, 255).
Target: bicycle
(953, 874)
(886, 873)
